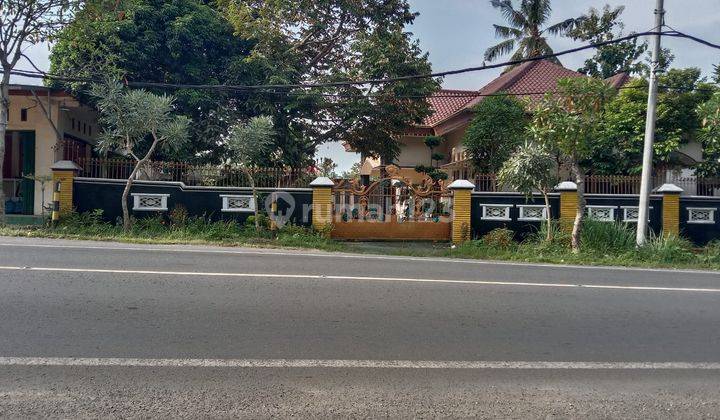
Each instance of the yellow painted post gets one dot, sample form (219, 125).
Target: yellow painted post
(568, 204)
(63, 173)
(462, 208)
(670, 209)
(322, 202)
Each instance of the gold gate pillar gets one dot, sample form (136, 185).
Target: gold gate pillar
(670, 209)
(568, 204)
(322, 202)
(63, 172)
(462, 208)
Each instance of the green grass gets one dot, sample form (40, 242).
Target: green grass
(602, 243)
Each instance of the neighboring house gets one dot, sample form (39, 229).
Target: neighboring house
(44, 126)
(453, 112)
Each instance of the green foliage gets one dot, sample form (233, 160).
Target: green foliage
(433, 141)
(709, 114)
(619, 149)
(499, 238)
(178, 216)
(530, 168)
(327, 167)
(437, 157)
(133, 120)
(600, 26)
(263, 221)
(497, 128)
(323, 41)
(524, 29)
(353, 172)
(431, 171)
(252, 143)
(569, 121)
(176, 41)
(604, 237)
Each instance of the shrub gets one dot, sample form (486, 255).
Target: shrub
(667, 249)
(499, 238)
(324, 231)
(179, 216)
(151, 225)
(607, 238)
(264, 221)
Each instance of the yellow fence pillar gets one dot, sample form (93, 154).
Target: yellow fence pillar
(322, 202)
(568, 204)
(63, 172)
(462, 208)
(670, 209)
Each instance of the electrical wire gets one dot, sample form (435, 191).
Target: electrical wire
(283, 90)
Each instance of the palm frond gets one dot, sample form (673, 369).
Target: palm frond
(507, 32)
(500, 49)
(514, 17)
(537, 12)
(561, 28)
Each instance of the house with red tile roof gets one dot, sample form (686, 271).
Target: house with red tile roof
(453, 112)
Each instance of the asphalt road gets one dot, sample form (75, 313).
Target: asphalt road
(117, 330)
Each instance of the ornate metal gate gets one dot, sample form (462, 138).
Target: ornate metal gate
(392, 208)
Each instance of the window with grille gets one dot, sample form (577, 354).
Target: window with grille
(496, 212)
(631, 214)
(150, 202)
(238, 203)
(601, 213)
(532, 213)
(701, 215)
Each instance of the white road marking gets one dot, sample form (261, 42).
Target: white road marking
(111, 246)
(362, 278)
(344, 364)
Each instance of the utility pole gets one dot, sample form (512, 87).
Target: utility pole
(646, 180)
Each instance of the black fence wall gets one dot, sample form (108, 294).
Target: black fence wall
(700, 232)
(90, 194)
(523, 228)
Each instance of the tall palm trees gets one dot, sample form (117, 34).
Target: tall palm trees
(525, 33)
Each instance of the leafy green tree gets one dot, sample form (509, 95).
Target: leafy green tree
(599, 26)
(619, 150)
(251, 145)
(323, 41)
(497, 128)
(164, 41)
(530, 168)
(353, 172)
(709, 113)
(137, 123)
(327, 167)
(569, 122)
(524, 32)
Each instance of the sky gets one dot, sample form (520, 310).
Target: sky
(456, 33)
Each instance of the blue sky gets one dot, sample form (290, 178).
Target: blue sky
(457, 32)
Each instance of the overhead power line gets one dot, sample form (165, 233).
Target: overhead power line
(284, 89)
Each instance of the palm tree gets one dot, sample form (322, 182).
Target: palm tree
(525, 30)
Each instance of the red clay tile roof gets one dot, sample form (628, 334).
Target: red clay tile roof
(445, 103)
(528, 80)
(618, 80)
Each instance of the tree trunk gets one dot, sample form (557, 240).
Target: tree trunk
(126, 213)
(577, 225)
(249, 174)
(4, 107)
(126, 192)
(548, 216)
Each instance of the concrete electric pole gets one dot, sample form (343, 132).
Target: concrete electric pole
(646, 180)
